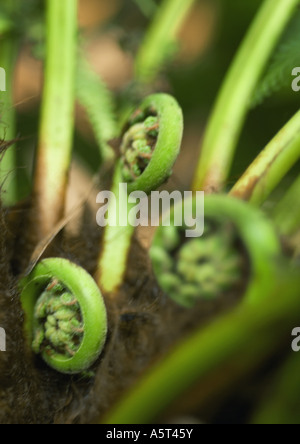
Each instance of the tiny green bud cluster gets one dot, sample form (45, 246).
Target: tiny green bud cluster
(200, 268)
(137, 146)
(60, 328)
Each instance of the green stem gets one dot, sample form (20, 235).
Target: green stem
(282, 406)
(160, 38)
(117, 239)
(8, 55)
(57, 119)
(157, 49)
(230, 112)
(240, 341)
(287, 212)
(271, 165)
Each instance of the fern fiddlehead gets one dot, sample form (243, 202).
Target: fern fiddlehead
(154, 133)
(65, 316)
(150, 145)
(189, 270)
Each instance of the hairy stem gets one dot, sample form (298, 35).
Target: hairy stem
(233, 103)
(270, 167)
(57, 120)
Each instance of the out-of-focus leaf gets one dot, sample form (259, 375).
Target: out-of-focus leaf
(97, 100)
(5, 23)
(147, 7)
(278, 75)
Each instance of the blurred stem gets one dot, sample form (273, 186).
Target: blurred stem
(271, 165)
(158, 48)
(161, 35)
(57, 119)
(282, 406)
(8, 55)
(230, 111)
(287, 212)
(240, 341)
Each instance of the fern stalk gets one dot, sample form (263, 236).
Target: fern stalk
(57, 119)
(271, 165)
(230, 112)
(156, 50)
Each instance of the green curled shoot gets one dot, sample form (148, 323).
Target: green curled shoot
(151, 143)
(137, 148)
(200, 268)
(65, 316)
(203, 268)
(60, 327)
(149, 147)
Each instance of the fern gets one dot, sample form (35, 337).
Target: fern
(98, 102)
(287, 57)
(279, 73)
